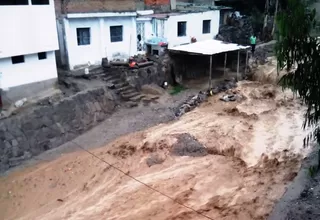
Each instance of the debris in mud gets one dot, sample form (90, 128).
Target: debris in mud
(264, 92)
(229, 98)
(224, 86)
(124, 151)
(196, 100)
(187, 145)
(191, 103)
(155, 159)
(235, 112)
(231, 182)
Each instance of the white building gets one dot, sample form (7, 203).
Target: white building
(89, 37)
(179, 27)
(28, 40)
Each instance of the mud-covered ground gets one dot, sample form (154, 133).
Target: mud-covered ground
(223, 160)
(302, 198)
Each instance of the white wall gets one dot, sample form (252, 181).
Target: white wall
(147, 26)
(194, 27)
(100, 45)
(27, 29)
(32, 70)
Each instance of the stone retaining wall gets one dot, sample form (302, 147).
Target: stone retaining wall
(154, 74)
(147, 75)
(45, 127)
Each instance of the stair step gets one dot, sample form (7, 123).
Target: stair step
(121, 85)
(150, 99)
(128, 91)
(116, 81)
(110, 77)
(125, 88)
(99, 72)
(137, 98)
(130, 95)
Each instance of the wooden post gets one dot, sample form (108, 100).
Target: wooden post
(238, 65)
(245, 70)
(225, 64)
(210, 74)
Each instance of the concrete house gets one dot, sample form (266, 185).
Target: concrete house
(28, 41)
(91, 30)
(180, 24)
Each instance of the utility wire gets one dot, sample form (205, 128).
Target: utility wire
(135, 179)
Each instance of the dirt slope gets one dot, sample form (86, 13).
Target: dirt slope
(225, 160)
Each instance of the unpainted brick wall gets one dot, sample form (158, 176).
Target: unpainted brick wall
(157, 5)
(82, 6)
(156, 2)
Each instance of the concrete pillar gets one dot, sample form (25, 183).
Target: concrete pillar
(210, 74)
(225, 64)
(173, 4)
(102, 38)
(133, 37)
(67, 40)
(238, 66)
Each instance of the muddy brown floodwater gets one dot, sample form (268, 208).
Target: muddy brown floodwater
(224, 160)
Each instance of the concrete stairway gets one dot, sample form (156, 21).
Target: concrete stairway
(130, 95)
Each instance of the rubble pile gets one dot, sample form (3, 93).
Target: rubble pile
(238, 31)
(135, 62)
(194, 101)
(191, 103)
(224, 86)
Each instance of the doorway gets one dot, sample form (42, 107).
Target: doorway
(140, 36)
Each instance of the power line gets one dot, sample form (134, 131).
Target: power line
(146, 185)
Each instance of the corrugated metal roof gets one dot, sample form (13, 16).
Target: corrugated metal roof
(208, 47)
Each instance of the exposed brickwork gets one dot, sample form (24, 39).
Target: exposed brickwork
(157, 5)
(83, 6)
(156, 2)
(57, 6)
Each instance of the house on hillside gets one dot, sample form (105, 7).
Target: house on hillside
(28, 41)
(180, 25)
(92, 30)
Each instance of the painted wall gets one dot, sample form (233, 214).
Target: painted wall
(100, 45)
(147, 26)
(32, 70)
(27, 29)
(194, 27)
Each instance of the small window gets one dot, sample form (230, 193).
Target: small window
(116, 33)
(42, 56)
(83, 36)
(13, 2)
(17, 59)
(206, 27)
(182, 28)
(40, 2)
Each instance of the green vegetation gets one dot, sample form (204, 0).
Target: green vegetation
(298, 51)
(177, 89)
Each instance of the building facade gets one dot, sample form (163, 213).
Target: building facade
(89, 37)
(91, 30)
(179, 28)
(28, 41)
